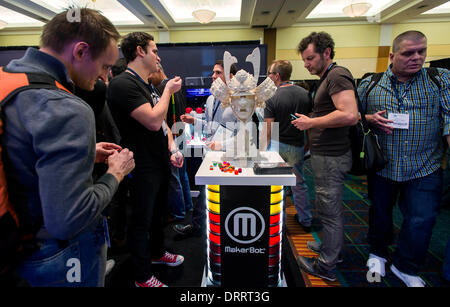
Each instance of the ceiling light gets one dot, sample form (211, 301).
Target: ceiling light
(3, 24)
(204, 15)
(356, 9)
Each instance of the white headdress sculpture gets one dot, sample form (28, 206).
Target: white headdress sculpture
(242, 93)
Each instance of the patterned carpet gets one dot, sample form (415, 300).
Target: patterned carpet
(352, 272)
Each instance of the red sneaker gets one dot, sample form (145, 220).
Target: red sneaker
(169, 259)
(151, 283)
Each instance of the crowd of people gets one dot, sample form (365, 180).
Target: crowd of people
(104, 146)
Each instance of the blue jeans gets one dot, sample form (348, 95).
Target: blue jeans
(78, 262)
(419, 201)
(179, 197)
(446, 193)
(294, 156)
(446, 269)
(184, 179)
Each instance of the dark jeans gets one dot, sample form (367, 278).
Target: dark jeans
(446, 266)
(329, 178)
(179, 193)
(199, 213)
(117, 211)
(419, 201)
(148, 195)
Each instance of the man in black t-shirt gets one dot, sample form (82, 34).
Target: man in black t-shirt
(289, 99)
(139, 114)
(334, 111)
(180, 200)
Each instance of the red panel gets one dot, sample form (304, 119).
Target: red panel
(275, 219)
(214, 238)
(214, 217)
(214, 228)
(275, 240)
(275, 229)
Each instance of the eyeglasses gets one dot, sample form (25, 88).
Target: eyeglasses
(271, 73)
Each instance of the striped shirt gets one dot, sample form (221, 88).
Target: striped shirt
(415, 152)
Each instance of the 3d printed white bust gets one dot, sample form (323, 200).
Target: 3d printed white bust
(243, 96)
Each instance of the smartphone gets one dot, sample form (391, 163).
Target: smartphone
(293, 117)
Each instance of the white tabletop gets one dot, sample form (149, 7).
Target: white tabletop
(205, 176)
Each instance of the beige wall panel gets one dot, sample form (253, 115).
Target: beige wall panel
(20, 40)
(438, 51)
(17, 39)
(343, 36)
(436, 32)
(193, 36)
(358, 67)
(350, 53)
(154, 34)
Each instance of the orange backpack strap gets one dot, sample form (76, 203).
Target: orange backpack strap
(12, 83)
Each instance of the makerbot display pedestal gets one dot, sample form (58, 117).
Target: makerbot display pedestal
(244, 222)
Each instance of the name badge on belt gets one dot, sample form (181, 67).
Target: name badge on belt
(401, 121)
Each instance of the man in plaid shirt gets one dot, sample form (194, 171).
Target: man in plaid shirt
(410, 114)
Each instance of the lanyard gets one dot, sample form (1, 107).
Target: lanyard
(215, 108)
(155, 96)
(173, 109)
(397, 94)
(148, 85)
(313, 93)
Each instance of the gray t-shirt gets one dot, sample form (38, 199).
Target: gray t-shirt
(288, 100)
(330, 141)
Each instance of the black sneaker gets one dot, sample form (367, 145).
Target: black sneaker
(187, 230)
(315, 247)
(312, 266)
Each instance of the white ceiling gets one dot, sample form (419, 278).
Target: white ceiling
(176, 14)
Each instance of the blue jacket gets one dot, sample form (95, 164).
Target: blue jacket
(49, 141)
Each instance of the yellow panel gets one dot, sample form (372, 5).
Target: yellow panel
(275, 198)
(275, 209)
(214, 207)
(215, 188)
(276, 188)
(215, 197)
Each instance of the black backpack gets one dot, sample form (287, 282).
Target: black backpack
(366, 151)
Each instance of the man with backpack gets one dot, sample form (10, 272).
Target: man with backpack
(408, 106)
(334, 111)
(50, 150)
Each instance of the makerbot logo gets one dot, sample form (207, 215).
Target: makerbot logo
(244, 225)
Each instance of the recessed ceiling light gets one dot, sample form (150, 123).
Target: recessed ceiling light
(181, 10)
(441, 9)
(111, 9)
(333, 8)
